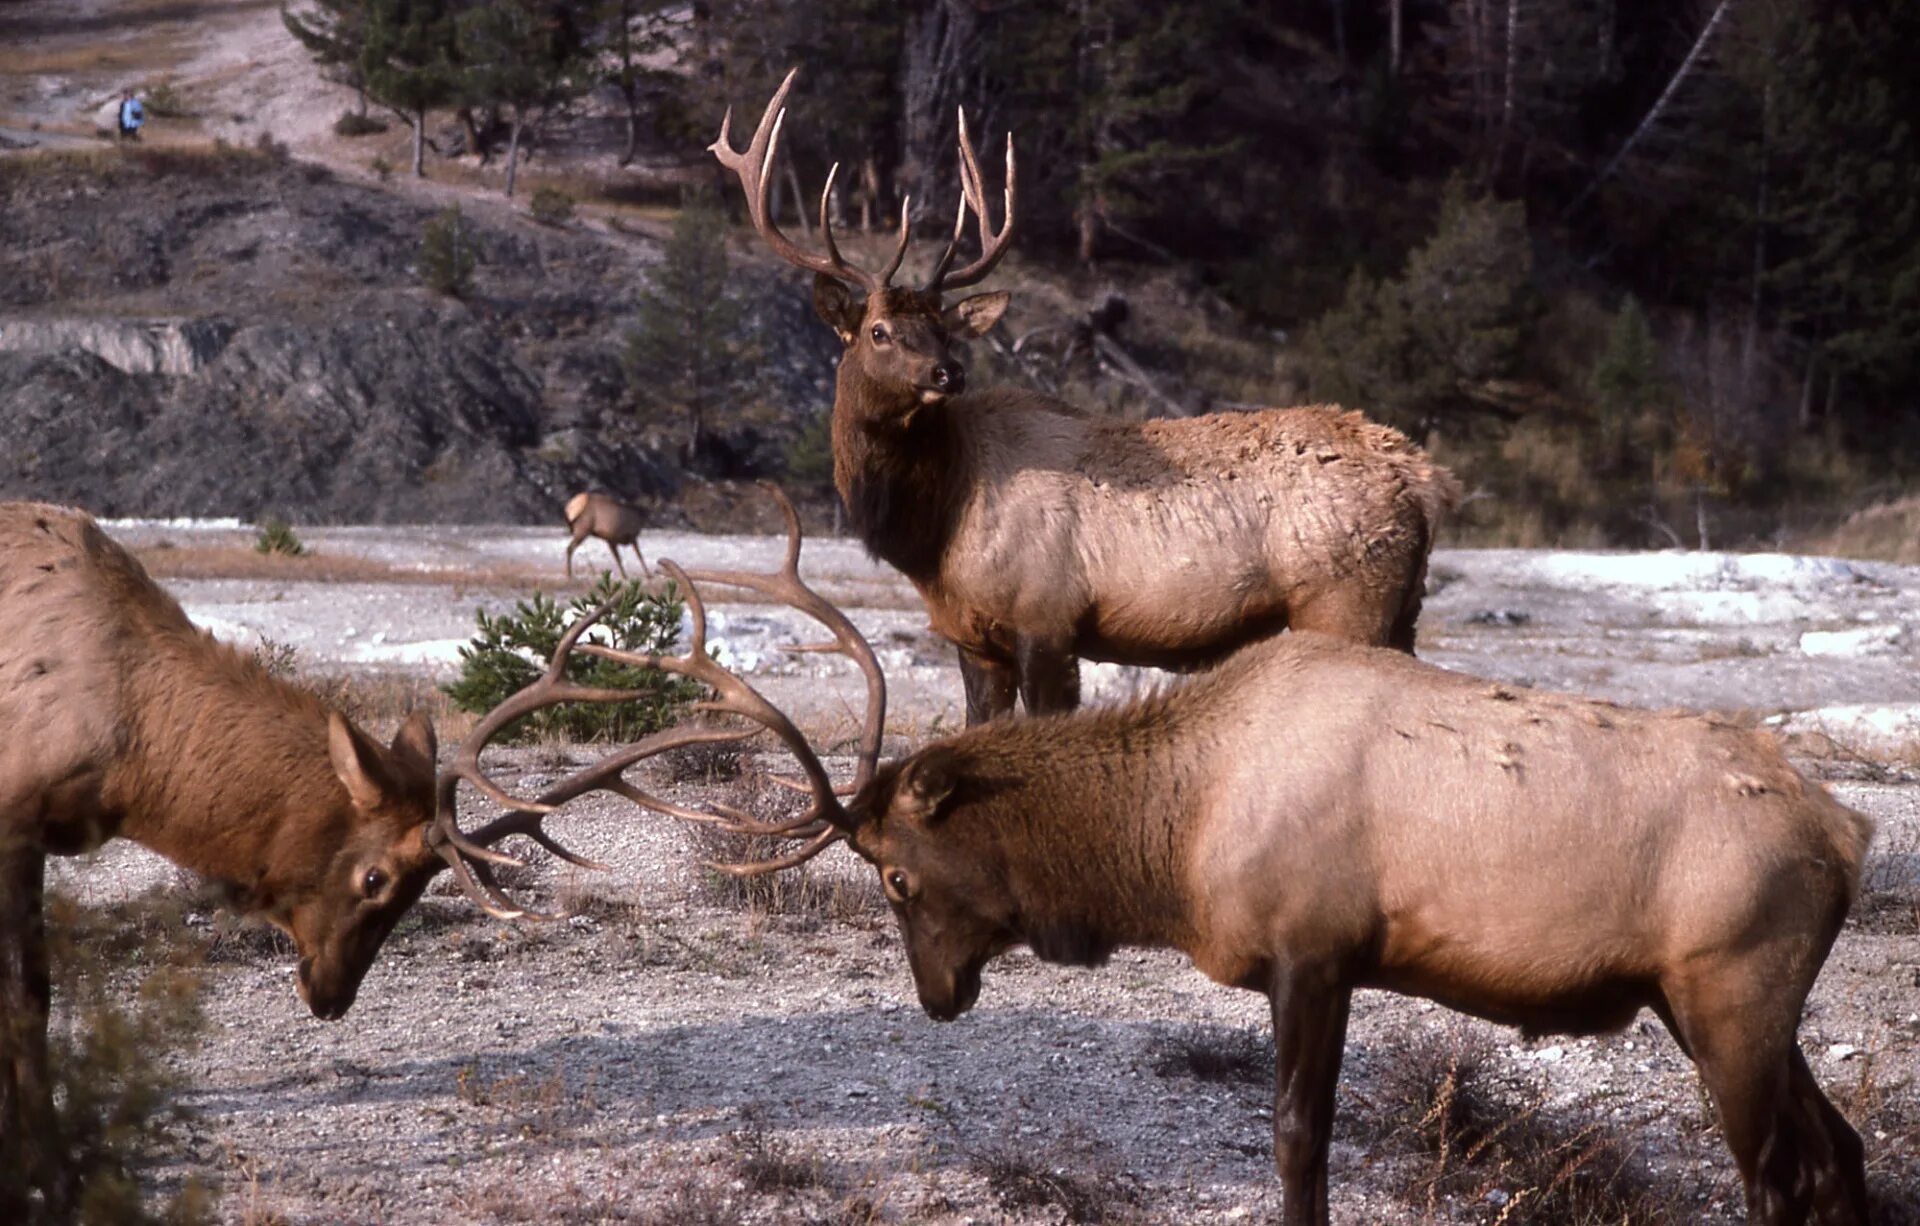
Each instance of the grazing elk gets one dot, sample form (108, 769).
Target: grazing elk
(119, 719)
(1037, 534)
(1313, 816)
(612, 521)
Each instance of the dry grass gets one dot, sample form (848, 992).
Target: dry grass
(1439, 1098)
(1066, 1171)
(1886, 532)
(1214, 1054)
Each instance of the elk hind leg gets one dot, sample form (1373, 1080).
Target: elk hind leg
(579, 534)
(1049, 676)
(1738, 1025)
(1310, 1007)
(30, 1149)
(615, 551)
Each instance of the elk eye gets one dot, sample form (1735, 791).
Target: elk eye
(879, 334)
(897, 884)
(373, 882)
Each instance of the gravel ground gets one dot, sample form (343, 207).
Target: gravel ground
(674, 1054)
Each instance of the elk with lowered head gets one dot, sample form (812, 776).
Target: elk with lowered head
(1313, 816)
(1037, 534)
(120, 719)
(611, 520)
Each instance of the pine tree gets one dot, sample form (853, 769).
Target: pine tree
(527, 57)
(686, 352)
(407, 62)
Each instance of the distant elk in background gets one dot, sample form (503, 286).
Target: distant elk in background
(1313, 816)
(1038, 534)
(612, 521)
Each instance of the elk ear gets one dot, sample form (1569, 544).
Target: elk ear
(833, 302)
(358, 761)
(975, 316)
(415, 749)
(927, 781)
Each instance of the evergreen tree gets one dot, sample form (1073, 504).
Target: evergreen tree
(686, 352)
(1420, 346)
(526, 57)
(407, 62)
(334, 33)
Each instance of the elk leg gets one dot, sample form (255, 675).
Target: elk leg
(615, 551)
(645, 570)
(1309, 1032)
(1741, 1041)
(1840, 1174)
(29, 1142)
(1049, 676)
(571, 546)
(989, 686)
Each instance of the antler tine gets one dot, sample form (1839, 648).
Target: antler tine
(800, 855)
(754, 168)
(787, 586)
(900, 249)
(973, 194)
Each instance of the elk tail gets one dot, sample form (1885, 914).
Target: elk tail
(576, 506)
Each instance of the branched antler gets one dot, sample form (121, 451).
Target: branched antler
(824, 821)
(754, 167)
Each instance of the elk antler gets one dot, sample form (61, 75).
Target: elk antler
(755, 170)
(824, 822)
(973, 195)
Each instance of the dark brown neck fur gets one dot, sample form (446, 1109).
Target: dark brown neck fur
(903, 471)
(1094, 842)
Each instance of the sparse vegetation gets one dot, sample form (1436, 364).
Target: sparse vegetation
(447, 257)
(276, 536)
(1210, 1053)
(550, 206)
(357, 123)
(512, 650)
(127, 987)
(1067, 1173)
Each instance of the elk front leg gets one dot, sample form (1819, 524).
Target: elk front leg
(1309, 1032)
(29, 1144)
(1049, 675)
(989, 685)
(615, 551)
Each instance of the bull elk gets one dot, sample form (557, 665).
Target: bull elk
(1313, 816)
(611, 520)
(1037, 534)
(119, 719)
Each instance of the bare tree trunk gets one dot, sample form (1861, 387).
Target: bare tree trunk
(1659, 107)
(1506, 95)
(1608, 19)
(798, 197)
(513, 150)
(632, 144)
(1750, 343)
(942, 38)
(1806, 396)
(1395, 12)
(419, 121)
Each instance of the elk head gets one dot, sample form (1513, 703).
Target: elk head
(898, 341)
(353, 871)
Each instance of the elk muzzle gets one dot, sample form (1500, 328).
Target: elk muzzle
(948, 378)
(948, 993)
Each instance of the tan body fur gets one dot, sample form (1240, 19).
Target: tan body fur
(1312, 817)
(1173, 542)
(119, 719)
(612, 521)
(1037, 534)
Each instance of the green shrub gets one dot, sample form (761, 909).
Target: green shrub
(277, 536)
(382, 169)
(512, 650)
(126, 979)
(551, 207)
(353, 123)
(164, 101)
(446, 254)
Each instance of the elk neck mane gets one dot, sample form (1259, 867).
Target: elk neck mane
(1091, 817)
(904, 476)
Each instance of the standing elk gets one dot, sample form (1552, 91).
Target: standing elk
(120, 719)
(1037, 534)
(612, 521)
(1313, 816)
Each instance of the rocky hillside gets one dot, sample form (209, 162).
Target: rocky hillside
(222, 332)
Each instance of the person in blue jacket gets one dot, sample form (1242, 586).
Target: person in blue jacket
(132, 115)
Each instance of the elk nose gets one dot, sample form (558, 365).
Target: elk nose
(950, 377)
